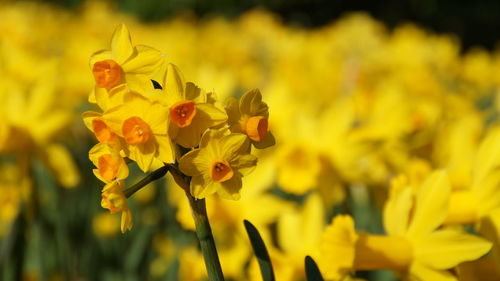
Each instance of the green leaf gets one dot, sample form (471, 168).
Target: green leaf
(312, 270)
(259, 248)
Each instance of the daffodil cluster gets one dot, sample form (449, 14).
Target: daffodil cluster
(167, 121)
(387, 150)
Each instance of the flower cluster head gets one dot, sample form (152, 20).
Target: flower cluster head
(168, 121)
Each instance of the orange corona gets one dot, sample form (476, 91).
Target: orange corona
(221, 171)
(107, 73)
(256, 128)
(136, 131)
(182, 113)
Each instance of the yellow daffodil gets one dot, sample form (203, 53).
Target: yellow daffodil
(415, 247)
(115, 201)
(250, 116)
(218, 165)
(143, 125)
(190, 108)
(124, 63)
(110, 165)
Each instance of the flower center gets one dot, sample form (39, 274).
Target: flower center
(382, 252)
(102, 131)
(108, 167)
(221, 171)
(107, 73)
(256, 128)
(135, 130)
(182, 113)
(463, 208)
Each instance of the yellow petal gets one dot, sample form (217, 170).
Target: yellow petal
(121, 45)
(487, 158)
(188, 136)
(145, 60)
(202, 186)
(192, 92)
(431, 204)
(143, 154)
(244, 164)
(213, 134)
(397, 212)
(268, 141)
(88, 116)
(195, 163)
(139, 83)
(444, 249)
(420, 272)
(338, 248)
(233, 111)
(209, 115)
(251, 104)
(126, 220)
(289, 232)
(313, 221)
(173, 84)
(230, 189)
(233, 145)
(166, 150)
(490, 229)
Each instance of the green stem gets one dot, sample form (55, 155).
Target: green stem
(207, 242)
(203, 230)
(156, 174)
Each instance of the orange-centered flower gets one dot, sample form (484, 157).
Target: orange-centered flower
(135, 130)
(221, 171)
(256, 128)
(182, 113)
(102, 132)
(108, 167)
(107, 73)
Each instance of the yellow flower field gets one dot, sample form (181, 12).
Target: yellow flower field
(136, 151)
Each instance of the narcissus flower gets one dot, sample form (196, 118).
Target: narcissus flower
(125, 63)
(218, 165)
(414, 247)
(250, 116)
(143, 125)
(115, 201)
(191, 112)
(110, 165)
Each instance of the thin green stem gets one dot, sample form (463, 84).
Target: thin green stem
(203, 229)
(207, 242)
(156, 174)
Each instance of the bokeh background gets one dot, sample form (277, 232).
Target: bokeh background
(359, 92)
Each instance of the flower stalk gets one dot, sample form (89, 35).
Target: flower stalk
(207, 242)
(203, 229)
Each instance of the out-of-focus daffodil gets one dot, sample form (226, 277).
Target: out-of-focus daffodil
(115, 201)
(414, 246)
